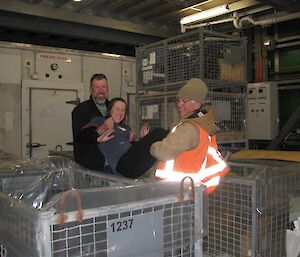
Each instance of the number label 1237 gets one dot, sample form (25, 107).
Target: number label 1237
(121, 225)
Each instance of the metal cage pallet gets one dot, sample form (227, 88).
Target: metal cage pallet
(229, 110)
(55, 174)
(214, 57)
(141, 219)
(249, 213)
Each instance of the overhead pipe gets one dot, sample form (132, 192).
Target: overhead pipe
(238, 22)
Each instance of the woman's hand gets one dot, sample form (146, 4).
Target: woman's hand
(145, 129)
(106, 135)
(107, 125)
(132, 137)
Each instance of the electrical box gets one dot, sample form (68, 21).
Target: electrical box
(262, 108)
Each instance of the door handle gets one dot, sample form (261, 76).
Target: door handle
(34, 145)
(74, 102)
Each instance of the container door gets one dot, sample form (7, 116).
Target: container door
(47, 123)
(51, 125)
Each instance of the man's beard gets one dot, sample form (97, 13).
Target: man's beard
(99, 101)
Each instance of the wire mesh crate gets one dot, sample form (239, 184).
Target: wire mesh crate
(249, 213)
(117, 220)
(34, 182)
(214, 57)
(229, 111)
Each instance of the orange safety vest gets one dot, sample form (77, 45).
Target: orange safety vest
(203, 163)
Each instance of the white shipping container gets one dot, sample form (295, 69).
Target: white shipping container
(35, 84)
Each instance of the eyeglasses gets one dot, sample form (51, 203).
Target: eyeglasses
(180, 100)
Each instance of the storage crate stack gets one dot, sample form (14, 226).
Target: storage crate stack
(218, 59)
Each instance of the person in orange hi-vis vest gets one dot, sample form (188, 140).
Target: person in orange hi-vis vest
(190, 149)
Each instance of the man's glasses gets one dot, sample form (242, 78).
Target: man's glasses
(181, 100)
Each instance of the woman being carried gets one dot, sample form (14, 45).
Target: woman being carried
(123, 156)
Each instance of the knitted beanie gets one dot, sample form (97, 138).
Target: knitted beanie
(195, 89)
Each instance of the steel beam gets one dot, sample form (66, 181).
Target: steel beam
(69, 16)
(34, 24)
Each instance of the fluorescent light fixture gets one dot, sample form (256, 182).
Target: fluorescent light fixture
(111, 55)
(206, 14)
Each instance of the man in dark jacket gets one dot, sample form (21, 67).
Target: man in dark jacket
(86, 151)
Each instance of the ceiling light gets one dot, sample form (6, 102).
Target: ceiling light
(77, 0)
(209, 13)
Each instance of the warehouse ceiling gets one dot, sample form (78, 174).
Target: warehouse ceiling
(117, 26)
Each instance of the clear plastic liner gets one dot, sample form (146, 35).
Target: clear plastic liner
(34, 182)
(37, 165)
(43, 188)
